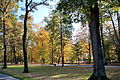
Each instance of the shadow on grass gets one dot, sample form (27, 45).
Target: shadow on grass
(55, 72)
(51, 72)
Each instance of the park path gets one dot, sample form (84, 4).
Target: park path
(7, 77)
(107, 66)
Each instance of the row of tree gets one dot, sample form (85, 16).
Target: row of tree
(92, 11)
(23, 41)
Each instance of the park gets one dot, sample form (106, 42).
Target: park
(59, 40)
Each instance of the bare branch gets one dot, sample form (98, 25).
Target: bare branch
(37, 4)
(29, 3)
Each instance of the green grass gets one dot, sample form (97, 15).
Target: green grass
(57, 73)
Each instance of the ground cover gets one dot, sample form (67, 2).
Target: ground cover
(57, 73)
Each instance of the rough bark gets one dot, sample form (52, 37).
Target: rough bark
(99, 69)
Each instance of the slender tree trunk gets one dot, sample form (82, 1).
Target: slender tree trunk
(99, 69)
(11, 59)
(118, 48)
(24, 41)
(61, 36)
(24, 46)
(115, 32)
(118, 24)
(109, 57)
(102, 41)
(15, 58)
(78, 60)
(89, 48)
(58, 61)
(52, 53)
(53, 42)
(4, 44)
(117, 40)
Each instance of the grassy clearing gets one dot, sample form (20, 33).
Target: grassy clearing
(57, 73)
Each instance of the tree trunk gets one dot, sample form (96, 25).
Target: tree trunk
(14, 53)
(109, 57)
(52, 53)
(58, 61)
(61, 36)
(99, 69)
(89, 48)
(118, 48)
(118, 24)
(53, 42)
(117, 40)
(103, 46)
(78, 60)
(115, 32)
(24, 41)
(4, 44)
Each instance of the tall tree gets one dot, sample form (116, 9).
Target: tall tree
(58, 27)
(99, 69)
(113, 9)
(92, 6)
(6, 7)
(77, 51)
(30, 6)
(52, 28)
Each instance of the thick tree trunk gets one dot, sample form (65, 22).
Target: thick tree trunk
(99, 69)
(4, 44)
(24, 41)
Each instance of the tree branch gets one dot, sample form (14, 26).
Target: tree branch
(29, 3)
(1, 11)
(7, 5)
(37, 4)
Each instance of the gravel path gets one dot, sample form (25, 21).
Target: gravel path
(7, 77)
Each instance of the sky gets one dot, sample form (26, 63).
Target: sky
(38, 15)
(43, 11)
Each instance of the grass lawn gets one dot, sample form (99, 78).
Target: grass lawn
(57, 73)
